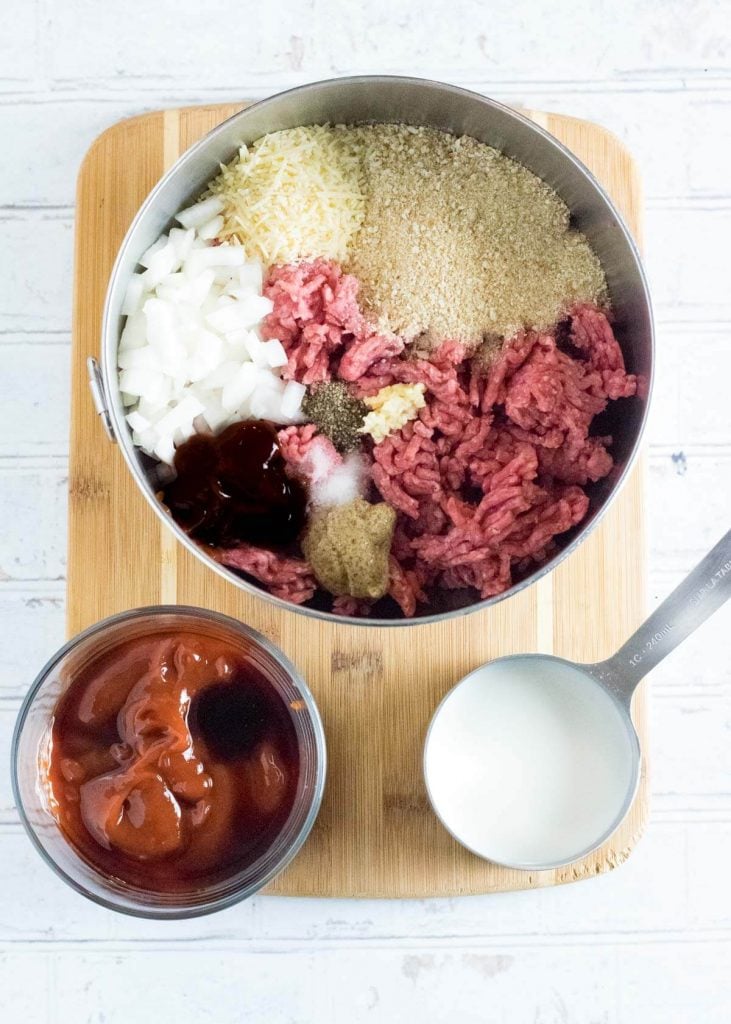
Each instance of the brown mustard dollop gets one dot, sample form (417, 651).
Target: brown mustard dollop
(348, 547)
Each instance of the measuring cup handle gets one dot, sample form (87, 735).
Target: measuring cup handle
(699, 595)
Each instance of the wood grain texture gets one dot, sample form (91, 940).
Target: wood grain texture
(376, 689)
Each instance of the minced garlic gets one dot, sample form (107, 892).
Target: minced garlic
(391, 408)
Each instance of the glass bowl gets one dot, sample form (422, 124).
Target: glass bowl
(31, 757)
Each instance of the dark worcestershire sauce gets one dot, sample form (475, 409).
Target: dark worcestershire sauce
(232, 489)
(174, 761)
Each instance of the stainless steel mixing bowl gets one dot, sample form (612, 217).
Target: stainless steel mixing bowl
(417, 102)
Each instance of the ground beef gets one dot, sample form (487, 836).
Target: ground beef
(353, 607)
(308, 455)
(404, 587)
(520, 435)
(288, 578)
(592, 334)
(493, 468)
(317, 319)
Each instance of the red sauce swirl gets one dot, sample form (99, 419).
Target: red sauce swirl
(174, 761)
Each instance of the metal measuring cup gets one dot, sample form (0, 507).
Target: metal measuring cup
(609, 684)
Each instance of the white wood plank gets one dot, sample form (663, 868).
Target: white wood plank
(19, 47)
(34, 499)
(34, 399)
(685, 243)
(690, 745)
(697, 667)
(510, 983)
(467, 39)
(691, 389)
(709, 900)
(62, 131)
(32, 617)
(26, 982)
(688, 500)
(35, 286)
(688, 983)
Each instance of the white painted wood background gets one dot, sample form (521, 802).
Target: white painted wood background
(650, 943)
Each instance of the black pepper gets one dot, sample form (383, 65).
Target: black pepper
(336, 413)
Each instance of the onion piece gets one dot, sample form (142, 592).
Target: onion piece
(274, 353)
(146, 257)
(200, 213)
(292, 397)
(211, 228)
(182, 242)
(134, 334)
(191, 356)
(236, 390)
(164, 450)
(137, 421)
(133, 295)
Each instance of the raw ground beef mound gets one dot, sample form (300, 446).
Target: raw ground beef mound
(493, 469)
(317, 319)
(288, 578)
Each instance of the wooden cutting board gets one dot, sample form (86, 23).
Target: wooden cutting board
(376, 688)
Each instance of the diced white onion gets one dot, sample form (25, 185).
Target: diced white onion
(191, 356)
(133, 295)
(255, 348)
(162, 263)
(219, 377)
(211, 228)
(274, 353)
(215, 415)
(292, 397)
(182, 242)
(140, 382)
(145, 358)
(134, 334)
(220, 256)
(165, 449)
(146, 257)
(198, 214)
(200, 287)
(256, 306)
(266, 404)
(251, 277)
(180, 415)
(228, 317)
(239, 387)
(137, 421)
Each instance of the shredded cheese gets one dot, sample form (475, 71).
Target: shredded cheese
(293, 194)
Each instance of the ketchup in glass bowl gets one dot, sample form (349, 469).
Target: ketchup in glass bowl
(168, 762)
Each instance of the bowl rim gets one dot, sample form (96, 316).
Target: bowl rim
(122, 434)
(315, 794)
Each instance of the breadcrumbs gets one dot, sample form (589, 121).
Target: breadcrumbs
(460, 242)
